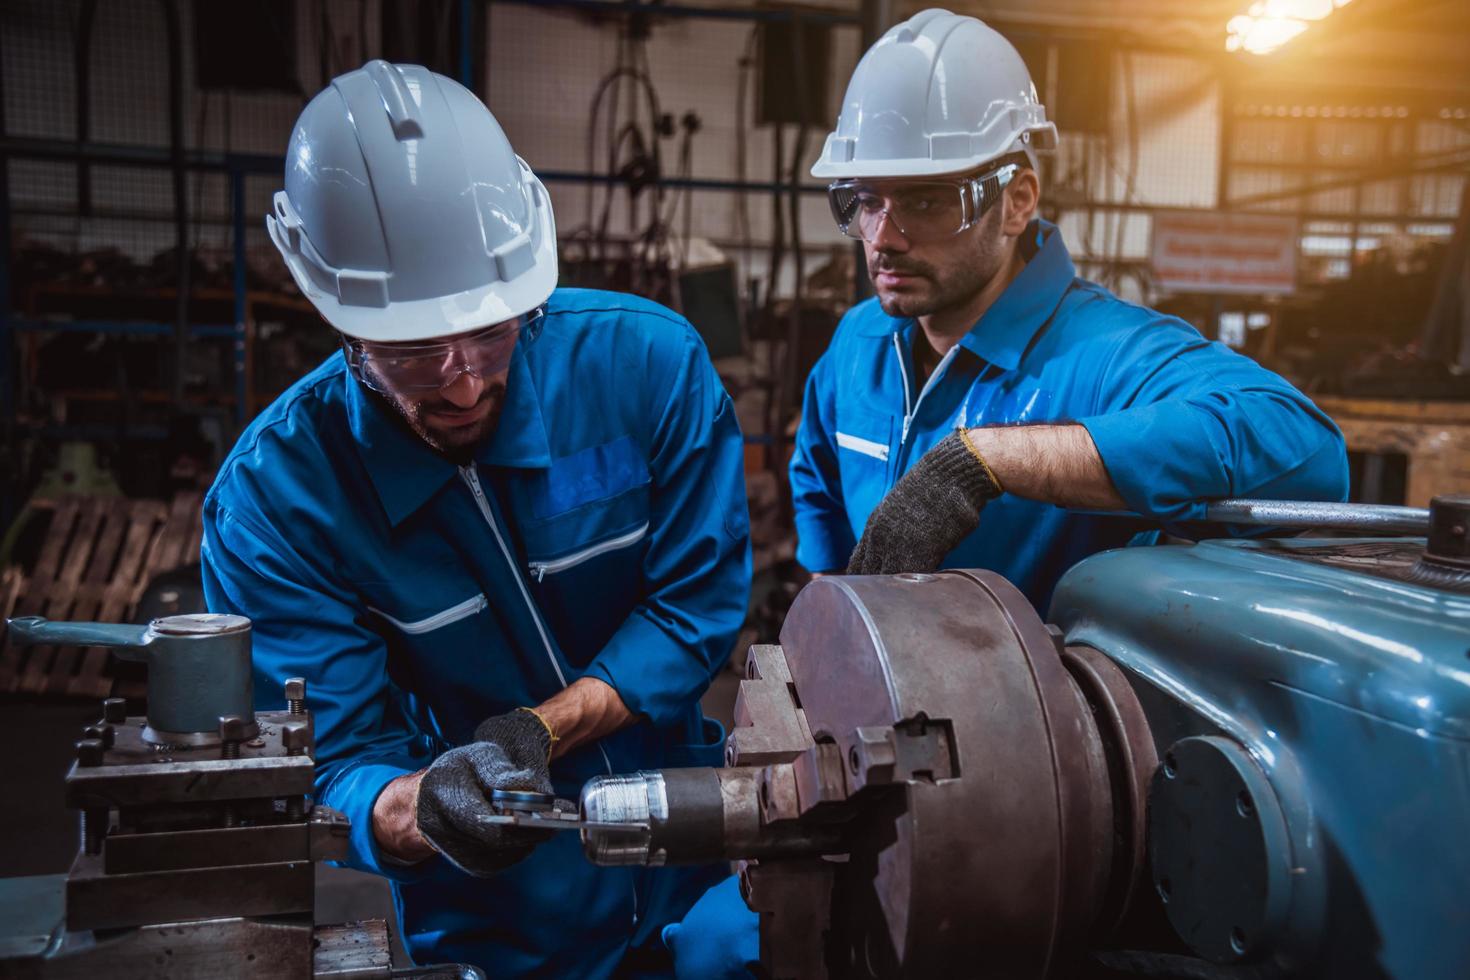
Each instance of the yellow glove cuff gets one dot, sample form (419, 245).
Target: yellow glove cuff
(965, 438)
(553, 738)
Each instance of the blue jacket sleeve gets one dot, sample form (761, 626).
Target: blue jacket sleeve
(824, 540)
(305, 625)
(1186, 421)
(697, 563)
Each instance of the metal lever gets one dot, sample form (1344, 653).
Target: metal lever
(198, 668)
(128, 640)
(1369, 518)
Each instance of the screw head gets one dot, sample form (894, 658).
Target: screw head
(295, 688)
(231, 728)
(89, 752)
(295, 737)
(115, 710)
(102, 733)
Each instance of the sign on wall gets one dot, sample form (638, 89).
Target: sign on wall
(1224, 253)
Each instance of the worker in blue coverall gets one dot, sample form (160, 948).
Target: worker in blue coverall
(502, 534)
(985, 375)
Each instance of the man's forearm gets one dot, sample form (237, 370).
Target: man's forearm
(1056, 464)
(585, 711)
(395, 820)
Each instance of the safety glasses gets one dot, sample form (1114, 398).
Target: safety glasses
(920, 210)
(424, 367)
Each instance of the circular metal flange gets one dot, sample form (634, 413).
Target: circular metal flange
(522, 799)
(1001, 858)
(1132, 761)
(192, 740)
(1218, 849)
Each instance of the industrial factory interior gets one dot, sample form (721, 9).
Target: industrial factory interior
(716, 489)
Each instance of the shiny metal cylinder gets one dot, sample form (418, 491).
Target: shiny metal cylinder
(694, 816)
(1368, 518)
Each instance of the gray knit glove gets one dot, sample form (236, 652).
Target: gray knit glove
(927, 513)
(510, 751)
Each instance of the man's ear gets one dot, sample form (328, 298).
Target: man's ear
(1021, 200)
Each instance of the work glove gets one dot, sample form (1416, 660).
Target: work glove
(927, 513)
(510, 751)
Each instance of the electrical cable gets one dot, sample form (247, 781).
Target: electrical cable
(788, 381)
(746, 67)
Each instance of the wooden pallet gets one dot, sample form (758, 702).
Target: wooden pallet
(98, 557)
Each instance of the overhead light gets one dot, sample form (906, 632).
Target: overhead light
(1268, 24)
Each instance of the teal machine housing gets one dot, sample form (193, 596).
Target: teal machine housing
(1310, 702)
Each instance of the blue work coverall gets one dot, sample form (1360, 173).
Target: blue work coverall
(1178, 420)
(601, 532)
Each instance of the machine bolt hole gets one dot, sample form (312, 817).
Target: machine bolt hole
(852, 759)
(1244, 805)
(1237, 940)
(1166, 890)
(1171, 768)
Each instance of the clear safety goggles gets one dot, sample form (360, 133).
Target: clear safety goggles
(423, 367)
(920, 210)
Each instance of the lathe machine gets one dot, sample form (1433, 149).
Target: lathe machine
(198, 838)
(1236, 759)
(1244, 759)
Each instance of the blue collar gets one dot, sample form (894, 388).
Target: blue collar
(1006, 330)
(407, 473)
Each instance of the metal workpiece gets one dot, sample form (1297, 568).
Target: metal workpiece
(198, 668)
(639, 798)
(1368, 519)
(692, 816)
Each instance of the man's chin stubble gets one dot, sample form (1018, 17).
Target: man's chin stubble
(457, 442)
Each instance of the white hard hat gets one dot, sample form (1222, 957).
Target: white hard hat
(937, 94)
(406, 214)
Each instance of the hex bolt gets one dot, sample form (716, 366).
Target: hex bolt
(90, 751)
(295, 737)
(231, 734)
(115, 710)
(296, 695)
(103, 733)
(295, 808)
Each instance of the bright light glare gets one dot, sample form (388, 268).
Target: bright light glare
(1268, 24)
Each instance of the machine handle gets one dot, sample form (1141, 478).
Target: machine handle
(1368, 518)
(128, 640)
